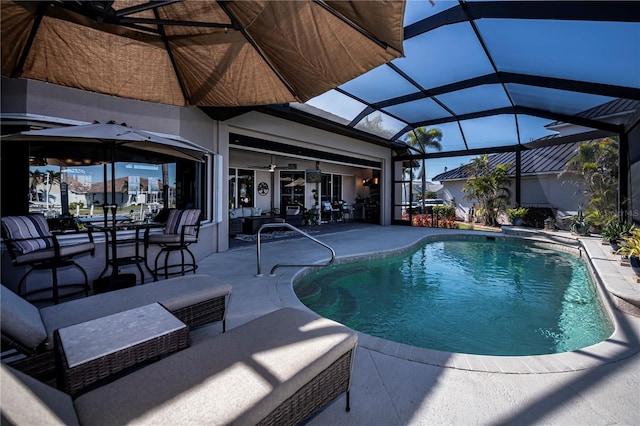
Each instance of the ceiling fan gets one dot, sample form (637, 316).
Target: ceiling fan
(273, 166)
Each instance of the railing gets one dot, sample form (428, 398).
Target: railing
(289, 265)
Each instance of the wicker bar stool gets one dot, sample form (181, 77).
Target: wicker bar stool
(181, 230)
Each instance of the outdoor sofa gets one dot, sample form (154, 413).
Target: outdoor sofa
(248, 220)
(280, 368)
(194, 299)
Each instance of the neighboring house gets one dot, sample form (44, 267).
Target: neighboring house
(416, 191)
(541, 183)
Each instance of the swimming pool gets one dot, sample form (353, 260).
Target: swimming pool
(475, 296)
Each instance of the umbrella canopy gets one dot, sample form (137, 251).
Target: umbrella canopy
(114, 135)
(208, 53)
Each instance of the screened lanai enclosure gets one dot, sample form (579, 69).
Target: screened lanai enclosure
(524, 81)
(499, 77)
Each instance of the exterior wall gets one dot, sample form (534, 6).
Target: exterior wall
(537, 191)
(42, 99)
(274, 129)
(552, 191)
(248, 160)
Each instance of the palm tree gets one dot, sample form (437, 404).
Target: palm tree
(487, 185)
(36, 177)
(420, 139)
(596, 165)
(54, 178)
(407, 176)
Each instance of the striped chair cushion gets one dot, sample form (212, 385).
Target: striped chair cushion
(30, 232)
(179, 218)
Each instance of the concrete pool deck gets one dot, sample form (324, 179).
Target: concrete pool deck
(396, 384)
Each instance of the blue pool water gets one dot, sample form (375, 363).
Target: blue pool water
(475, 296)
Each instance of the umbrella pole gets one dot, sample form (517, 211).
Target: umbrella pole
(105, 205)
(114, 206)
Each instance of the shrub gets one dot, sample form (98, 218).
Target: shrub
(425, 220)
(442, 212)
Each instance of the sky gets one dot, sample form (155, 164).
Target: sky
(589, 51)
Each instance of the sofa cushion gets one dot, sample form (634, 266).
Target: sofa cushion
(31, 232)
(20, 319)
(26, 401)
(237, 377)
(173, 294)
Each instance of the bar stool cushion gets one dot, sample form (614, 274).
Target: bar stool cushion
(21, 320)
(46, 254)
(171, 238)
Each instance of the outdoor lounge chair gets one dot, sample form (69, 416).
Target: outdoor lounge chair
(31, 243)
(280, 368)
(194, 299)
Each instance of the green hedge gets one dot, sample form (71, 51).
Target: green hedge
(443, 212)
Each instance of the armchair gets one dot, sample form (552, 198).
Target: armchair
(329, 213)
(181, 230)
(31, 243)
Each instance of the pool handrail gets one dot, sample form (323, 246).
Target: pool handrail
(288, 265)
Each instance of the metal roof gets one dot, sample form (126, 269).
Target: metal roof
(493, 74)
(549, 159)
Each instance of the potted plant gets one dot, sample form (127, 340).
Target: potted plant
(516, 215)
(311, 217)
(630, 247)
(614, 231)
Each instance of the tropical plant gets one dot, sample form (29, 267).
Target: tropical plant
(616, 230)
(579, 223)
(517, 212)
(630, 244)
(488, 186)
(594, 170)
(311, 216)
(420, 139)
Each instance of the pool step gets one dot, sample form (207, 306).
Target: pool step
(555, 236)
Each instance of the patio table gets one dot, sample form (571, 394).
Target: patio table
(114, 260)
(92, 351)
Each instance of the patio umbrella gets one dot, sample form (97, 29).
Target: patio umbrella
(209, 53)
(297, 182)
(114, 136)
(111, 138)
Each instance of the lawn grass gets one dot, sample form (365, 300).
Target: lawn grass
(477, 227)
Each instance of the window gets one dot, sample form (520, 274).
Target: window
(67, 187)
(292, 186)
(331, 187)
(241, 188)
